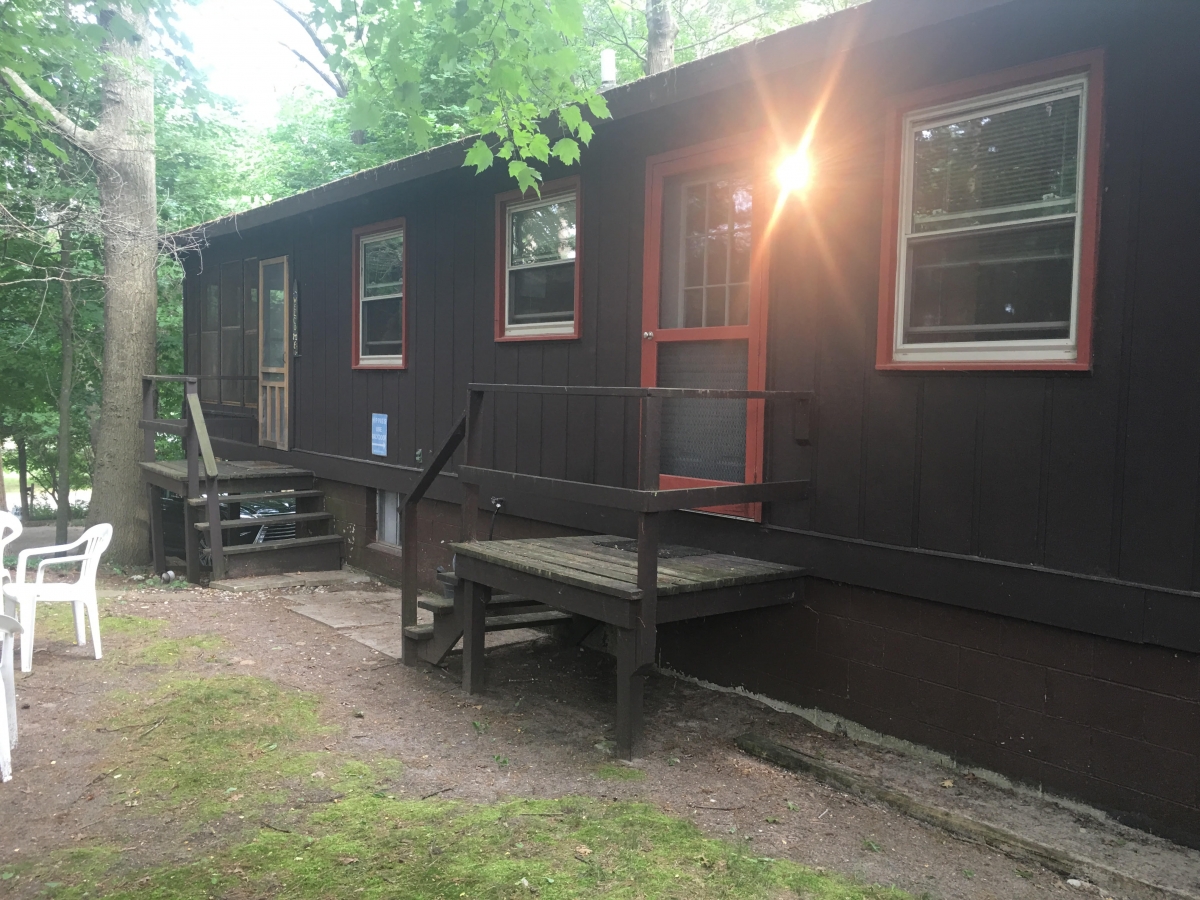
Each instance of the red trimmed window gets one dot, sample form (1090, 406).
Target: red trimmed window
(537, 264)
(380, 271)
(990, 247)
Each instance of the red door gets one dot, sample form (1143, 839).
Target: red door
(704, 312)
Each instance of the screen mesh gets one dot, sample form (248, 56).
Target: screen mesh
(704, 438)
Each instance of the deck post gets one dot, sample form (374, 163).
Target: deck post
(630, 688)
(191, 542)
(635, 661)
(475, 597)
(149, 414)
(408, 582)
(158, 553)
(192, 446)
(470, 496)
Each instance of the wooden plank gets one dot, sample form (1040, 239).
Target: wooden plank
(554, 434)
(474, 604)
(720, 601)
(890, 459)
(483, 366)
(445, 403)
(582, 601)
(676, 570)
(465, 265)
(489, 552)
(529, 409)
(1010, 470)
(631, 499)
(947, 464)
(283, 519)
(586, 563)
(163, 426)
(206, 450)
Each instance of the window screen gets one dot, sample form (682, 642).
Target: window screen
(990, 226)
(540, 259)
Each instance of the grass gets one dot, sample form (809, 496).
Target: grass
(310, 825)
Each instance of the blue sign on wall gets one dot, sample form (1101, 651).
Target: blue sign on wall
(379, 434)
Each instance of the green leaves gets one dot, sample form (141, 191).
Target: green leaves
(480, 156)
(515, 65)
(566, 150)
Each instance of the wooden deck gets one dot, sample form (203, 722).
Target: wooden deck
(597, 577)
(172, 474)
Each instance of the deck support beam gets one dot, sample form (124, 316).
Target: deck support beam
(474, 602)
(158, 553)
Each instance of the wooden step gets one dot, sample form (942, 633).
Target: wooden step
(305, 554)
(281, 519)
(499, 623)
(290, 543)
(443, 605)
(261, 495)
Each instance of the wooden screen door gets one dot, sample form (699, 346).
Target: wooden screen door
(704, 314)
(273, 357)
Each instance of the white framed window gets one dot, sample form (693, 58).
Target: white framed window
(540, 290)
(992, 218)
(379, 333)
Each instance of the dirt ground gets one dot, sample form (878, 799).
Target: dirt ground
(539, 731)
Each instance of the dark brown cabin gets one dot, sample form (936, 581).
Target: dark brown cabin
(988, 284)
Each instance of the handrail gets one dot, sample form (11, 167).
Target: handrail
(647, 500)
(408, 561)
(197, 446)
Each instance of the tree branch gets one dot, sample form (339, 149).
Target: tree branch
(340, 88)
(83, 138)
(325, 76)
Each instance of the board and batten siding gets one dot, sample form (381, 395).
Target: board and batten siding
(1096, 474)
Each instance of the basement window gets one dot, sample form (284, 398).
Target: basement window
(538, 293)
(387, 518)
(379, 292)
(995, 231)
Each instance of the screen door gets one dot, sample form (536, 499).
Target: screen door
(273, 357)
(703, 317)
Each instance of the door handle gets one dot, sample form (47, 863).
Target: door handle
(647, 335)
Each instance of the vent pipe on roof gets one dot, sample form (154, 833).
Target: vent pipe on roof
(608, 69)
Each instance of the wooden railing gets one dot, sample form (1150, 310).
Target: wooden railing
(197, 448)
(647, 500)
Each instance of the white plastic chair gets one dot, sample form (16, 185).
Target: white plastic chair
(8, 723)
(10, 530)
(81, 593)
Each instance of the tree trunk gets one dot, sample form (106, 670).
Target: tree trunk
(3, 490)
(660, 36)
(125, 170)
(23, 479)
(67, 331)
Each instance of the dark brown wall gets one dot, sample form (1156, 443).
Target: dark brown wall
(1109, 721)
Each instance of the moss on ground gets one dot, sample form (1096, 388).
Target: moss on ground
(610, 772)
(317, 825)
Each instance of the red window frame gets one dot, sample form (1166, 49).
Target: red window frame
(356, 339)
(750, 150)
(503, 202)
(1090, 62)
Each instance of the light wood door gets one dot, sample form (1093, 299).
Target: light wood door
(274, 358)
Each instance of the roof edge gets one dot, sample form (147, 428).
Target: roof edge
(829, 36)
